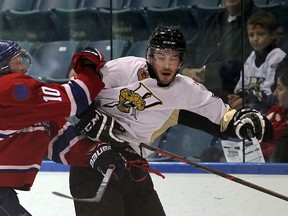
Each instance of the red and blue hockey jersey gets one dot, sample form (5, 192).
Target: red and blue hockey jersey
(33, 125)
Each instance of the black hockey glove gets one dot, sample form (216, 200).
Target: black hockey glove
(99, 126)
(103, 156)
(89, 57)
(250, 123)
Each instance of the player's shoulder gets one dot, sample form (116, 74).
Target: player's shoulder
(129, 59)
(14, 77)
(186, 82)
(126, 61)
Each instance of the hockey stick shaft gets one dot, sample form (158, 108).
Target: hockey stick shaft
(100, 191)
(205, 168)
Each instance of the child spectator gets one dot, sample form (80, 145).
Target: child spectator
(259, 68)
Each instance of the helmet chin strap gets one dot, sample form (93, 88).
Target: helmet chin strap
(153, 75)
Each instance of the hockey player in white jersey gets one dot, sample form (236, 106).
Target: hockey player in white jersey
(147, 96)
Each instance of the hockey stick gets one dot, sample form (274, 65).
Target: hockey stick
(100, 192)
(205, 168)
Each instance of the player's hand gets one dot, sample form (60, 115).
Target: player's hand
(89, 57)
(250, 123)
(198, 74)
(103, 156)
(99, 126)
(235, 101)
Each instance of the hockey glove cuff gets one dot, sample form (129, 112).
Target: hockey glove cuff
(103, 156)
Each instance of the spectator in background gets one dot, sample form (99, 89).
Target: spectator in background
(218, 46)
(259, 68)
(277, 150)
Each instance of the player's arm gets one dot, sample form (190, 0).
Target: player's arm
(70, 147)
(35, 101)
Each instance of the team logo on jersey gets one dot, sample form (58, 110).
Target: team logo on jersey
(142, 74)
(131, 101)
(21, 92)
(255, 83)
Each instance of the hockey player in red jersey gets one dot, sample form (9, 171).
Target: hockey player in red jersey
(147, 96)
(32, 119)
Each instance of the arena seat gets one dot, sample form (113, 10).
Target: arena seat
(79, 24)
(5, 27)
(118, 50)
(49, 4)
(116, 4)
(34, 25)
(183, 141)
(182, 16)
(52, 61)
(261, 2)
(128, 24)
(138, 49)
(19, 5)
(148, 3)
(209, 3)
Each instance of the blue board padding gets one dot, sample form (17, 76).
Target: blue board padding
(175, 167)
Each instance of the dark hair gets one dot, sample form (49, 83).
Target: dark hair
(263, 19)
(282, 71)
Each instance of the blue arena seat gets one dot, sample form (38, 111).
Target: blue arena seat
(184, 17)
(18, 5)
(128, 24)
(261, 2)
(52, 61)
(34, 25)
(27, 45)
(209, 3)
(148, 3)
(5, 27)
(204, 11)
(138, 49)
(186, 3)
(79, 24)
(49, 4)
(116, 4)
(118, 50)
(183, 141)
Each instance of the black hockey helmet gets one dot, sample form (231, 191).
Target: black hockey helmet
(9, 50)
(167, 38)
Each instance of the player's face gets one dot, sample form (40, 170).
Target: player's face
(166, 63)
(17, 66)
(20, 63)
(281, 93)
(259, 37)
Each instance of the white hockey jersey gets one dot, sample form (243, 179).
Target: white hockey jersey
(260, 78)
(146, 110)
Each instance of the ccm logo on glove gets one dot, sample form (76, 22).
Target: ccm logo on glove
(90, 124)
